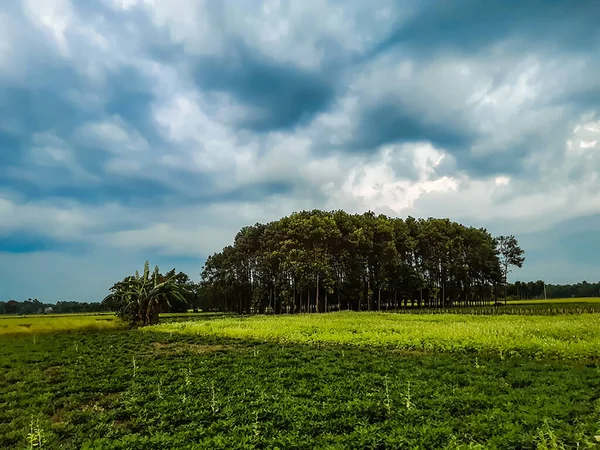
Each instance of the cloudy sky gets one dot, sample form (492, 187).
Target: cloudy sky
(155, 129)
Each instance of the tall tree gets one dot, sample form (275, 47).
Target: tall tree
(510, 254)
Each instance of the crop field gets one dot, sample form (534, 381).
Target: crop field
(32, 325)
(566, 337)
(336, 381)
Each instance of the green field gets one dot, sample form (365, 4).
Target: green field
(43, 324)
(558, 301)
(40, 324)
(567, 337)
(336, 381)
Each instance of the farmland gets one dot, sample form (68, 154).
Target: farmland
(567, 337)
(33, 325)
(338, 380)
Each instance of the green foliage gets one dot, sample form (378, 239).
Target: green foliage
(200, 392)
(318, 261)
(139, 299)
(510, 254)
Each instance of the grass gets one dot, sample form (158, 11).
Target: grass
(130, 389)
(558, 301)
(39, 324)
(566, 337)
(55, 323)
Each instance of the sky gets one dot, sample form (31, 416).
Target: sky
(155, 129)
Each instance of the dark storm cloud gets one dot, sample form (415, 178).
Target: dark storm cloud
(392, 123)
(282, 96)
(471, 25)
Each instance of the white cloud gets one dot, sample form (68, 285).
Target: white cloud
(112, 135)
(171, 239)
(6, 44)
(375, 186)
(502, 181)
(54, 15)
(289, 32)
(63, 222)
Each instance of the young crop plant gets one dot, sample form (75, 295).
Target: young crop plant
(35, 437)
(388, 401)
(408, 403)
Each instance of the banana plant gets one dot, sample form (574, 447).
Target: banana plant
(139, 299)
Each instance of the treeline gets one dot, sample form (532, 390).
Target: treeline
(315, 261)
(34, 306)
(534, 290)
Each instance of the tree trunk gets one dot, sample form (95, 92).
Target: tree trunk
(317, 295)
(505, 287)
(443, 293)
(368, 294)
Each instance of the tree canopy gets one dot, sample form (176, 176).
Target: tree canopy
(315, 261)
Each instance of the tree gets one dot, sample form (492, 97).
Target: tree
(12, 307)
(510, 254)
(140, 299)
(316, 261)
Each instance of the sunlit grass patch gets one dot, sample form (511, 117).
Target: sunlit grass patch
(569, 337)
(25, 325)
(557, 301)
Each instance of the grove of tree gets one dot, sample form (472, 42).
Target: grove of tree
(315, 261)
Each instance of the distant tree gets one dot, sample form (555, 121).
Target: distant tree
(12, 307)
(187, 291)
(139, 299)
(510, 254)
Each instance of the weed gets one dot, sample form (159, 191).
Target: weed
(547, 439)
(213, 401)
(35, 437)
(387, 402)
(408, 398)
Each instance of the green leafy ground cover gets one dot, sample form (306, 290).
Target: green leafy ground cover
(143, 390)
(564, 337)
